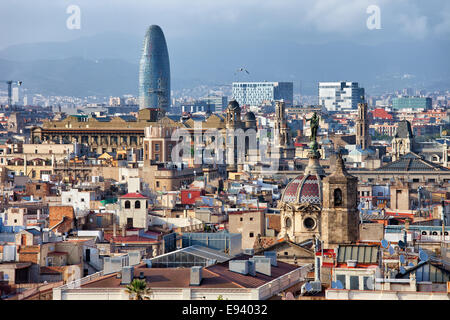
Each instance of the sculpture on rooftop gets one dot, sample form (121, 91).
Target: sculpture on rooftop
(314, 125)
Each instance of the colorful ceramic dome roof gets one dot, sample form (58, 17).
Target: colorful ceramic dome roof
(303, 189)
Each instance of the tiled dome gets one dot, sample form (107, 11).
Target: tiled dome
(303, 189)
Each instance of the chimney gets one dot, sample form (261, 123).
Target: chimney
(114, 226)
(127, 274)
(38, 215)
(123, 230)
(196, 276)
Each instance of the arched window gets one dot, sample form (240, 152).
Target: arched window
(137, 204)
(424, 233)
(127, 204)
(337, 197)
(435, 233)
(288, 222)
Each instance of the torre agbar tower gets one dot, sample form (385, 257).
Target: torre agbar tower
(154, 72)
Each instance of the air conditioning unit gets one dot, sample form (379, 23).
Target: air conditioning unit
(351, 263)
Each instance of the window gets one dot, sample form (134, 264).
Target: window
(309, 223)
(156, 146)
(69, 200)
(337, 197)
(38, 187)
(354, 283)
(341, 278)
(288, 222)
(157, 184)
(137, 204)
(241, 219)
(82, 199)
(156, 157)
(189, 195)
(251, 235)
(127, 204)
(251, 219)
(368, 283)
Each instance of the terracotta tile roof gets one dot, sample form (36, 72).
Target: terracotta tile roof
(136, 239)
(166, 278)
(133, 196)
(217, 276)
(49, 270)
(247, 281)
(29, 249)
(57, 253)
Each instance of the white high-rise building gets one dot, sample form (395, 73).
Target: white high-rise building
(15, 95)
(340, 96)
(258, 93)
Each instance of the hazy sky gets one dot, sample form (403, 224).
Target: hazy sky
(305, 21)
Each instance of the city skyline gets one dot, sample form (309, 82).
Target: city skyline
(208, 52)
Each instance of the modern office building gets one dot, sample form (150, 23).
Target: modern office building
(339, 96)
(258, 93)
(216, 103)
(196, 106)
(411, 103)
(154, 72)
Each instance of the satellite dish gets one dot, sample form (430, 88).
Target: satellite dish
(308, 286)
(339, 285)
(401, 244)
(402, 270)
(369, 283)
(423, 255)
(402, 259)
(289, 296)
(391, 250)
(384, 243)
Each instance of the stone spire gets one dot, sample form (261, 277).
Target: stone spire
(340, 169)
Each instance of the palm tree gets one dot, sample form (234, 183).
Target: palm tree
(137, 289)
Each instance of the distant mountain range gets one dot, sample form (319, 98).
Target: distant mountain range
(107, 64)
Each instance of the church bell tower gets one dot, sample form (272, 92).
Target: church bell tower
(340, 218)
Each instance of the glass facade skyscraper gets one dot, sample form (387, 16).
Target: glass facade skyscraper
(154, 71)
(412, 103)
(256, 93)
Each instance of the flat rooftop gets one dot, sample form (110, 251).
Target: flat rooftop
(216, 276)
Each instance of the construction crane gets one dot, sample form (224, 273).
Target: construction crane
(10, 82)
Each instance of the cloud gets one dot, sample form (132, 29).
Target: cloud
(220, 20)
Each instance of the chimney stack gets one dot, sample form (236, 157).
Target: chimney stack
(114, 225)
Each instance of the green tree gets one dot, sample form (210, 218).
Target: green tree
(137, 289)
